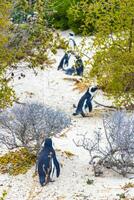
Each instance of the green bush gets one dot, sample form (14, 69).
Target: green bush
(60, 17)
(77, 14)
(18, 162)
(75, 22)
(59, 13)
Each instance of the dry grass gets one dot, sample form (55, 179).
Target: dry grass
(81, 86)
(17, 162)
(73, 78)
(128, 185)
(61, 198)
(68, 154)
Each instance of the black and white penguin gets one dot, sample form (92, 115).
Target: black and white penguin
(47, 163)
(72, 43)
(64, 62)
(85, 102)
(79, 66)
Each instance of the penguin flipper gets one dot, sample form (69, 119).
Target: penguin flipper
(56, 163)
(42, 175)
(90, 106)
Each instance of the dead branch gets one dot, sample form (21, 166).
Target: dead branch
(112, 107)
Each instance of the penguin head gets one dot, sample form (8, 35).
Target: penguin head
(48, 143)
(93, 89)
(71, 34)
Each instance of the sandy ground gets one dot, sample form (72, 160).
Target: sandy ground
(51, 88)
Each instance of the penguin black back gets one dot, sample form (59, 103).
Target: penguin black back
(79, 66)
(85, 102)
(64, 61)
(46, 161)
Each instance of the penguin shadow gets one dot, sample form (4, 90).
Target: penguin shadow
(97, 113)
(94, 113)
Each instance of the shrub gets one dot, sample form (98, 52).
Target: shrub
(4, 194)
(116, 149)
(60, 17)
(77, 15)
(18, 162)
(28, 125)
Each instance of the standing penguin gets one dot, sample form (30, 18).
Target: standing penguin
(85, 102)
(72, 43)
(79, 66)
(47, 163)
(64, 61)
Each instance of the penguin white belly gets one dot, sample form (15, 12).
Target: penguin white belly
(84, 108)
(65, 66)
(53, 171)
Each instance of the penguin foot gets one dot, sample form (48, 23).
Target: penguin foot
(83, 114)
(52, 181)
(74, 114)
(42, 184)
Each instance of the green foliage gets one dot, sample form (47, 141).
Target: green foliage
(122, 196)
(6, 55)
(4, 194)
(114, 39)
(59, 16)
(57, 13)
(33, 37)
(7, 94)
(20, 11)
(60, 43)
(29, 41)
(77, 14)
(114, 70)
(18, 162)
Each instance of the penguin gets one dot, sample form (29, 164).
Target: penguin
(79, 66)
(47, 163)
(85, 102)
(72, 43)
(64, 61)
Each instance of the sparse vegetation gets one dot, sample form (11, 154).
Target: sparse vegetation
(28, 125)
(19, 39)
(17, 162)
(117, 153)
(128, 185)
(122, 196)
(4, 194)
(68, 154)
